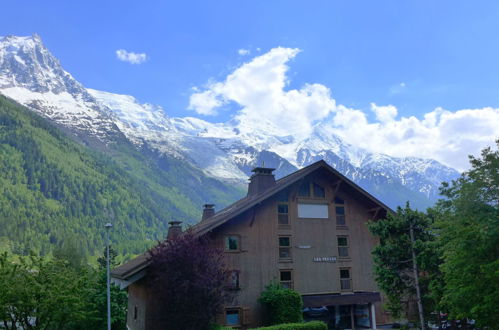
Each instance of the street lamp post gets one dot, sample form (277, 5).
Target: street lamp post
(108, 226)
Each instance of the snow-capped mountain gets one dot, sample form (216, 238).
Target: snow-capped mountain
(32, 76)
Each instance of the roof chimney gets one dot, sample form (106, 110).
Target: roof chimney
(174, 230)
(262, 179)
(208, 211)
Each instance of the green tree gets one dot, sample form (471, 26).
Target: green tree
(468, 229)
(282, 305)
(119, 298)
(402, 262)
(70, 250)
(188, 274)
(36, 293)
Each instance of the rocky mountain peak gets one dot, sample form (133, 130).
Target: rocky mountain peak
(32, 76)
(26, 62)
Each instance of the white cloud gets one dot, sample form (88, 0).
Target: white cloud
(385, 113)
(131, 57)
(259, 88)
(243, 51)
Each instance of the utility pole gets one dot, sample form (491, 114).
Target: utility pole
(416, 276)
(108, 227)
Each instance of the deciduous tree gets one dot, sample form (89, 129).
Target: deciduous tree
(402, 262)
(188, 277)
(468, 229)
(36, 293)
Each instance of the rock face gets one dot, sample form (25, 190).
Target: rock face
(31, 75)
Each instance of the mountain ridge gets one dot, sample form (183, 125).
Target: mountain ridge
(225, 151)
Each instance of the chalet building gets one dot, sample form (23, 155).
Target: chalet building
(307, 231)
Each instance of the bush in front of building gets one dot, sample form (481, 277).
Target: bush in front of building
(282, 305)
(314, 325)
(220, 327)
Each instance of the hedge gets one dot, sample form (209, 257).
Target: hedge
(314, 325)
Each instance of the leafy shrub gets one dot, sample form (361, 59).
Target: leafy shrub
(220, 327)
(281, 305)
(315, 325)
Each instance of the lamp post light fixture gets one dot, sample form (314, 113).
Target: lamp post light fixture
(108, 226)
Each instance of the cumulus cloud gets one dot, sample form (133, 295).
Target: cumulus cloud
(446, 136)
(243, 51)
(385, 113)
(259, 87)
(131, 57)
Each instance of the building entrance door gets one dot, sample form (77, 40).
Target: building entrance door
(342, 317)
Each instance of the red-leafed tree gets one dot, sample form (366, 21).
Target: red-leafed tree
(187, 276)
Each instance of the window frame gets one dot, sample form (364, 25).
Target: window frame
(311, 190)
(314, 184)
(301, 206)
(288, 247)
(230, 285)
(346, 279)
(285, 284)
(238, 243)
(239, 316)
(336, 215)
(345, 247)
(281, 214)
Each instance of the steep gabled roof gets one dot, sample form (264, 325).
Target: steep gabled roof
(136, 265)
(248, 202)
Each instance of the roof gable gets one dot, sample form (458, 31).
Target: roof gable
(250, 201)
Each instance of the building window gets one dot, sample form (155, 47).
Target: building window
(362, 316)
(232, 317)
(286, 278)
(319, 192)
(340, 211)
(304, 190)
(232, 243)
(313, 211)
(345, 279)
(283, 196)
(284, 247)
(233, 280)
(311, 190)
(282, 214)
(343, 246)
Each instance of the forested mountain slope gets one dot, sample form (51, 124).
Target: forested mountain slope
(53, 189)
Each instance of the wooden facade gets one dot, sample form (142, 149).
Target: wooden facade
(307, 231)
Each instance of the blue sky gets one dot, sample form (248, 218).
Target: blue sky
(444, 53)
(390, 76)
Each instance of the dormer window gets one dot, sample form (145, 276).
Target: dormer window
(311, 189)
